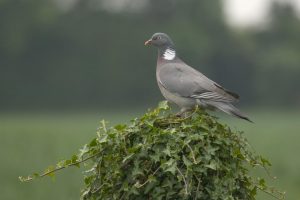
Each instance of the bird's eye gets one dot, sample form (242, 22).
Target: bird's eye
(156, 38)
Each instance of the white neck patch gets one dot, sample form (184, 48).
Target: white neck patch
(169, 54)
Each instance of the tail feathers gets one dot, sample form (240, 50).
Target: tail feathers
(230, 109)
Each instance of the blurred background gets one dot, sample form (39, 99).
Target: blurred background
(67, 64)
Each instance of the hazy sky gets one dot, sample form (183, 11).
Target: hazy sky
(251, 12)
(242, 13)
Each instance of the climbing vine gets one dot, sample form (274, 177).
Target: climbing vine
(161, 156)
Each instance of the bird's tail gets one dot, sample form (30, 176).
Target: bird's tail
(229, 109)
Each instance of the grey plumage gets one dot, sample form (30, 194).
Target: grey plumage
(187, 87)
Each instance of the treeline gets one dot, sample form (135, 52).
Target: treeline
(89, 56)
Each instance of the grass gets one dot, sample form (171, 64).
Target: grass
(276, 135)
(31, 142)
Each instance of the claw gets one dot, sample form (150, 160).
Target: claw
(187, 113)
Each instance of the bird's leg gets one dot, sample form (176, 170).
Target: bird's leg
(187, 113)
(183, 112)
(192, 111)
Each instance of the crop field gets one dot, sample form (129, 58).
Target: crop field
(30, 142)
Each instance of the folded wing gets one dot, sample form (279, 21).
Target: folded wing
(183, 80)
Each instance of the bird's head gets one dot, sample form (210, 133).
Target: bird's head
(160, 40)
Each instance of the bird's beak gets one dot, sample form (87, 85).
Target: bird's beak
(148, 42)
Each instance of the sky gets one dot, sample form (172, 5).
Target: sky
(239, 13)
(245, 13)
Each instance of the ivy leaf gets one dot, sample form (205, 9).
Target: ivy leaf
(167, 151)
(170, 166)
(61, 163)
(186, 161)
(74, 158)
(83, 150)
(49, 171)
(253, 192)
(262, 183)
(265, 162)
(93, 143)
(88, 180)
(102, 139)
(120, 127)
(212, 165)
(163, 105)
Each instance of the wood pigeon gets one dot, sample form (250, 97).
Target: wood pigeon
(186, 87)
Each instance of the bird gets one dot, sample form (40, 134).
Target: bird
(186, 87)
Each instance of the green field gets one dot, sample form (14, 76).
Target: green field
(31, 142)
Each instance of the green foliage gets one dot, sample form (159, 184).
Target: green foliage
(161, 156)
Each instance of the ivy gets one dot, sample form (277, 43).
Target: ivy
(161, 156)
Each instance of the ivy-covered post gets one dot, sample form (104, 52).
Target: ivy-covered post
(160, 156)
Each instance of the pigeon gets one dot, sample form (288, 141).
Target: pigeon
(185, 86)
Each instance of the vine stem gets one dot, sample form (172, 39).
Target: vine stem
(139, 186)
(193, 155)
(30, 178)
(185, 183)
(270, 193)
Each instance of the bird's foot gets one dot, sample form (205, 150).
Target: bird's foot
(182, 113)
(187, 113)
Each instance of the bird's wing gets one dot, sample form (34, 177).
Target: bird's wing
(185, 81)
